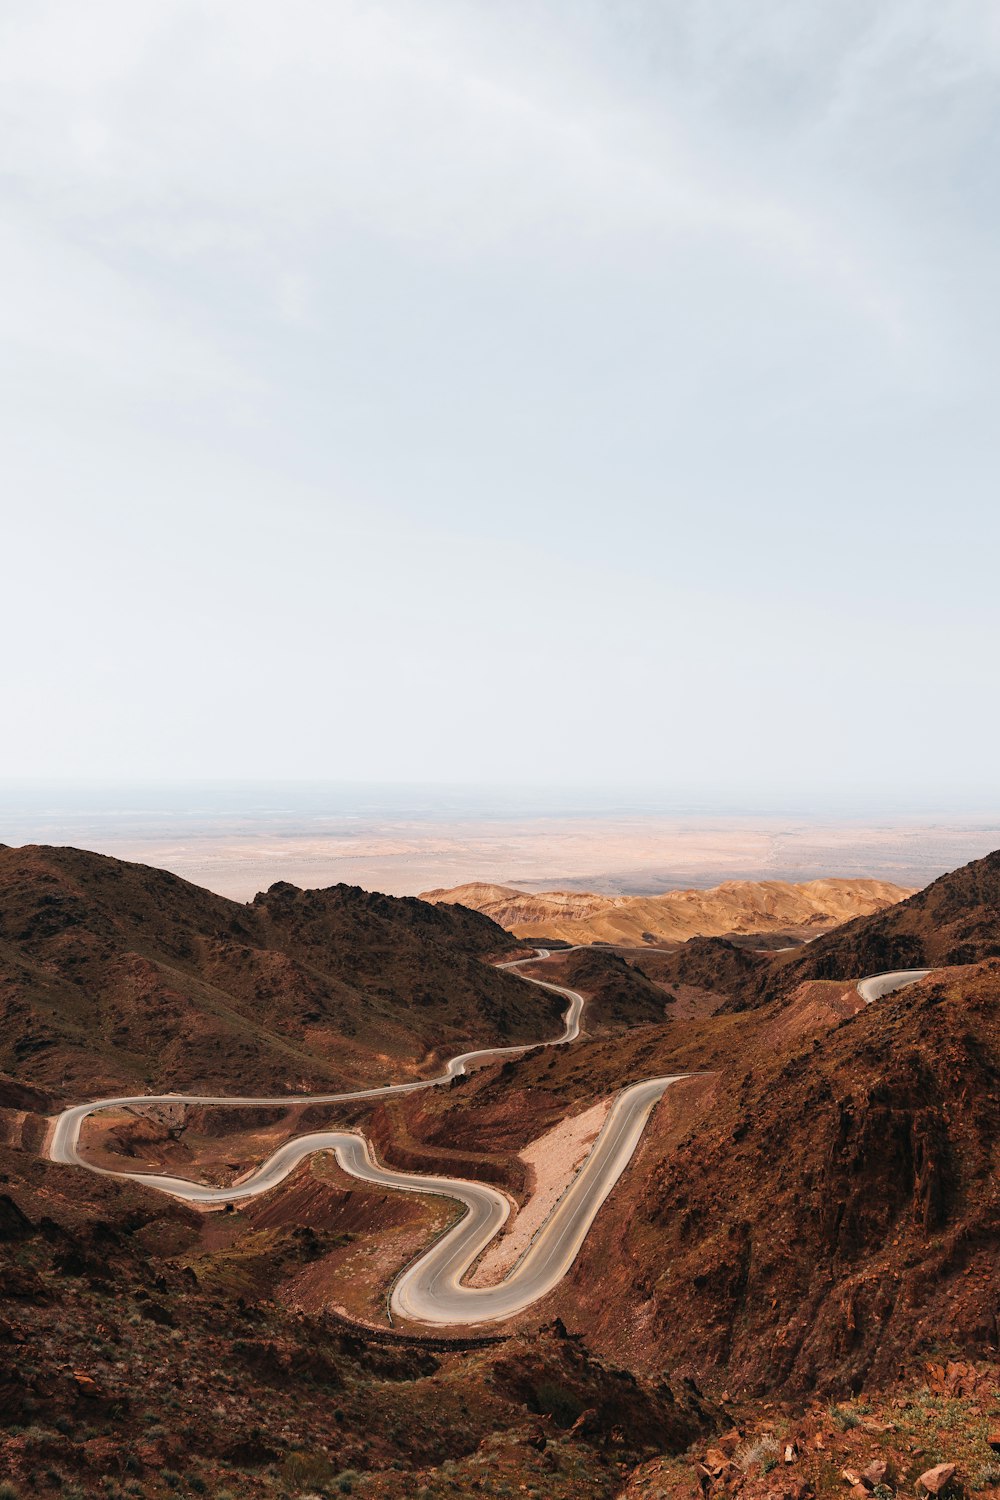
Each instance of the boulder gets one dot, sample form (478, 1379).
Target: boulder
(87, 1385)
(933, 1481)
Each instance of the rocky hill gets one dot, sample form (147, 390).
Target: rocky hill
(118, 976)
(809, 1232)
(827, 1213)
(619, 994)
(737, 906)
(713, 965)
(955, 920)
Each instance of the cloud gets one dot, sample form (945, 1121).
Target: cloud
(352, 334)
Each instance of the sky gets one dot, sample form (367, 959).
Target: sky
(568, 393)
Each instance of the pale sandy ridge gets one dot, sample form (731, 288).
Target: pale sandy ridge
(739, 906)
(553, 1160)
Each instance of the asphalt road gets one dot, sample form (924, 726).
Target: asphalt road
(876, 986)
(430, 1290)
(64, 1145)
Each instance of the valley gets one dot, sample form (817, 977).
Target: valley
(855, 1124)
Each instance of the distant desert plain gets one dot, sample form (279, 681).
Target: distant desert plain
(406, 844)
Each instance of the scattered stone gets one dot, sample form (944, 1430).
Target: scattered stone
(87, 1385)
(791, 1452)
(933, 1481)
(874, 1473)
(586, 1425)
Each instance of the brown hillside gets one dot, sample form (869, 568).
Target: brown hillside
(115, 975)
(733, 907)
(712, 964)
(955, 920)
(813, 1213)
(142, 1340)
(820, 1199)
(830, 1213)
(619, 993)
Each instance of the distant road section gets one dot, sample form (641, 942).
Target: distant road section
(876, 986)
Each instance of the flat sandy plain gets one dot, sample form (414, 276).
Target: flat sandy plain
(239, 851)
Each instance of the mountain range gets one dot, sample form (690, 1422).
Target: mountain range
(791, 1293)
(736, 906)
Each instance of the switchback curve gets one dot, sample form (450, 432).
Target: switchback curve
(431, 1289)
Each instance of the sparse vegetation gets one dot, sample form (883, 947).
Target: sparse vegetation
(762, 1455)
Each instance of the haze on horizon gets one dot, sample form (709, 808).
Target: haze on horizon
(580, 395)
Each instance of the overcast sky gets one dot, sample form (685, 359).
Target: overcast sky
(599, 392)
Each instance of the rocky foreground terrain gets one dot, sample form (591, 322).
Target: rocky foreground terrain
(791, 1294)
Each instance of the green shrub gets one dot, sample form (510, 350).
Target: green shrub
(844, 1418)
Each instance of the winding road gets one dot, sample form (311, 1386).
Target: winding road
(431, 1290)
(877, 986)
